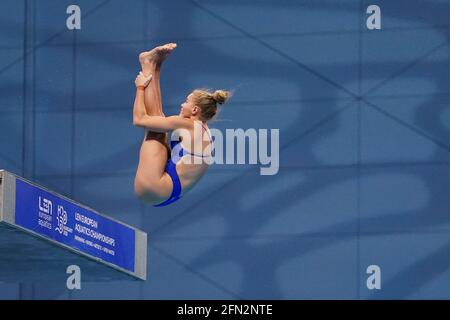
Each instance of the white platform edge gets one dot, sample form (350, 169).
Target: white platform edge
(7, 215)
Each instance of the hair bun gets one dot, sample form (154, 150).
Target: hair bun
(221, 96)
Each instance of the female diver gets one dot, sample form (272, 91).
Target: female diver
(165, 174)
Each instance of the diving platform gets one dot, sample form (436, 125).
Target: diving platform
(43, 232)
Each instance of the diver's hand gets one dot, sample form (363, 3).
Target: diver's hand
(142, 81)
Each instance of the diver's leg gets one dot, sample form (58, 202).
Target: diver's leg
(151, 62)
(152, 184)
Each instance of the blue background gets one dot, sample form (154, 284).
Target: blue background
(364, 119)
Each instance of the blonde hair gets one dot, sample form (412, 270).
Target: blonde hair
(207, 101)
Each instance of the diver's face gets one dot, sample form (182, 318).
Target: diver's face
(187, 107)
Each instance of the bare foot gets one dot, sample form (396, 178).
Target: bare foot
(153, 59)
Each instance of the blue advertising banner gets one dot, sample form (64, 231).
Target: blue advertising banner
(67, 223)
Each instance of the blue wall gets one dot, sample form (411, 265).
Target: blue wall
(364, 119)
